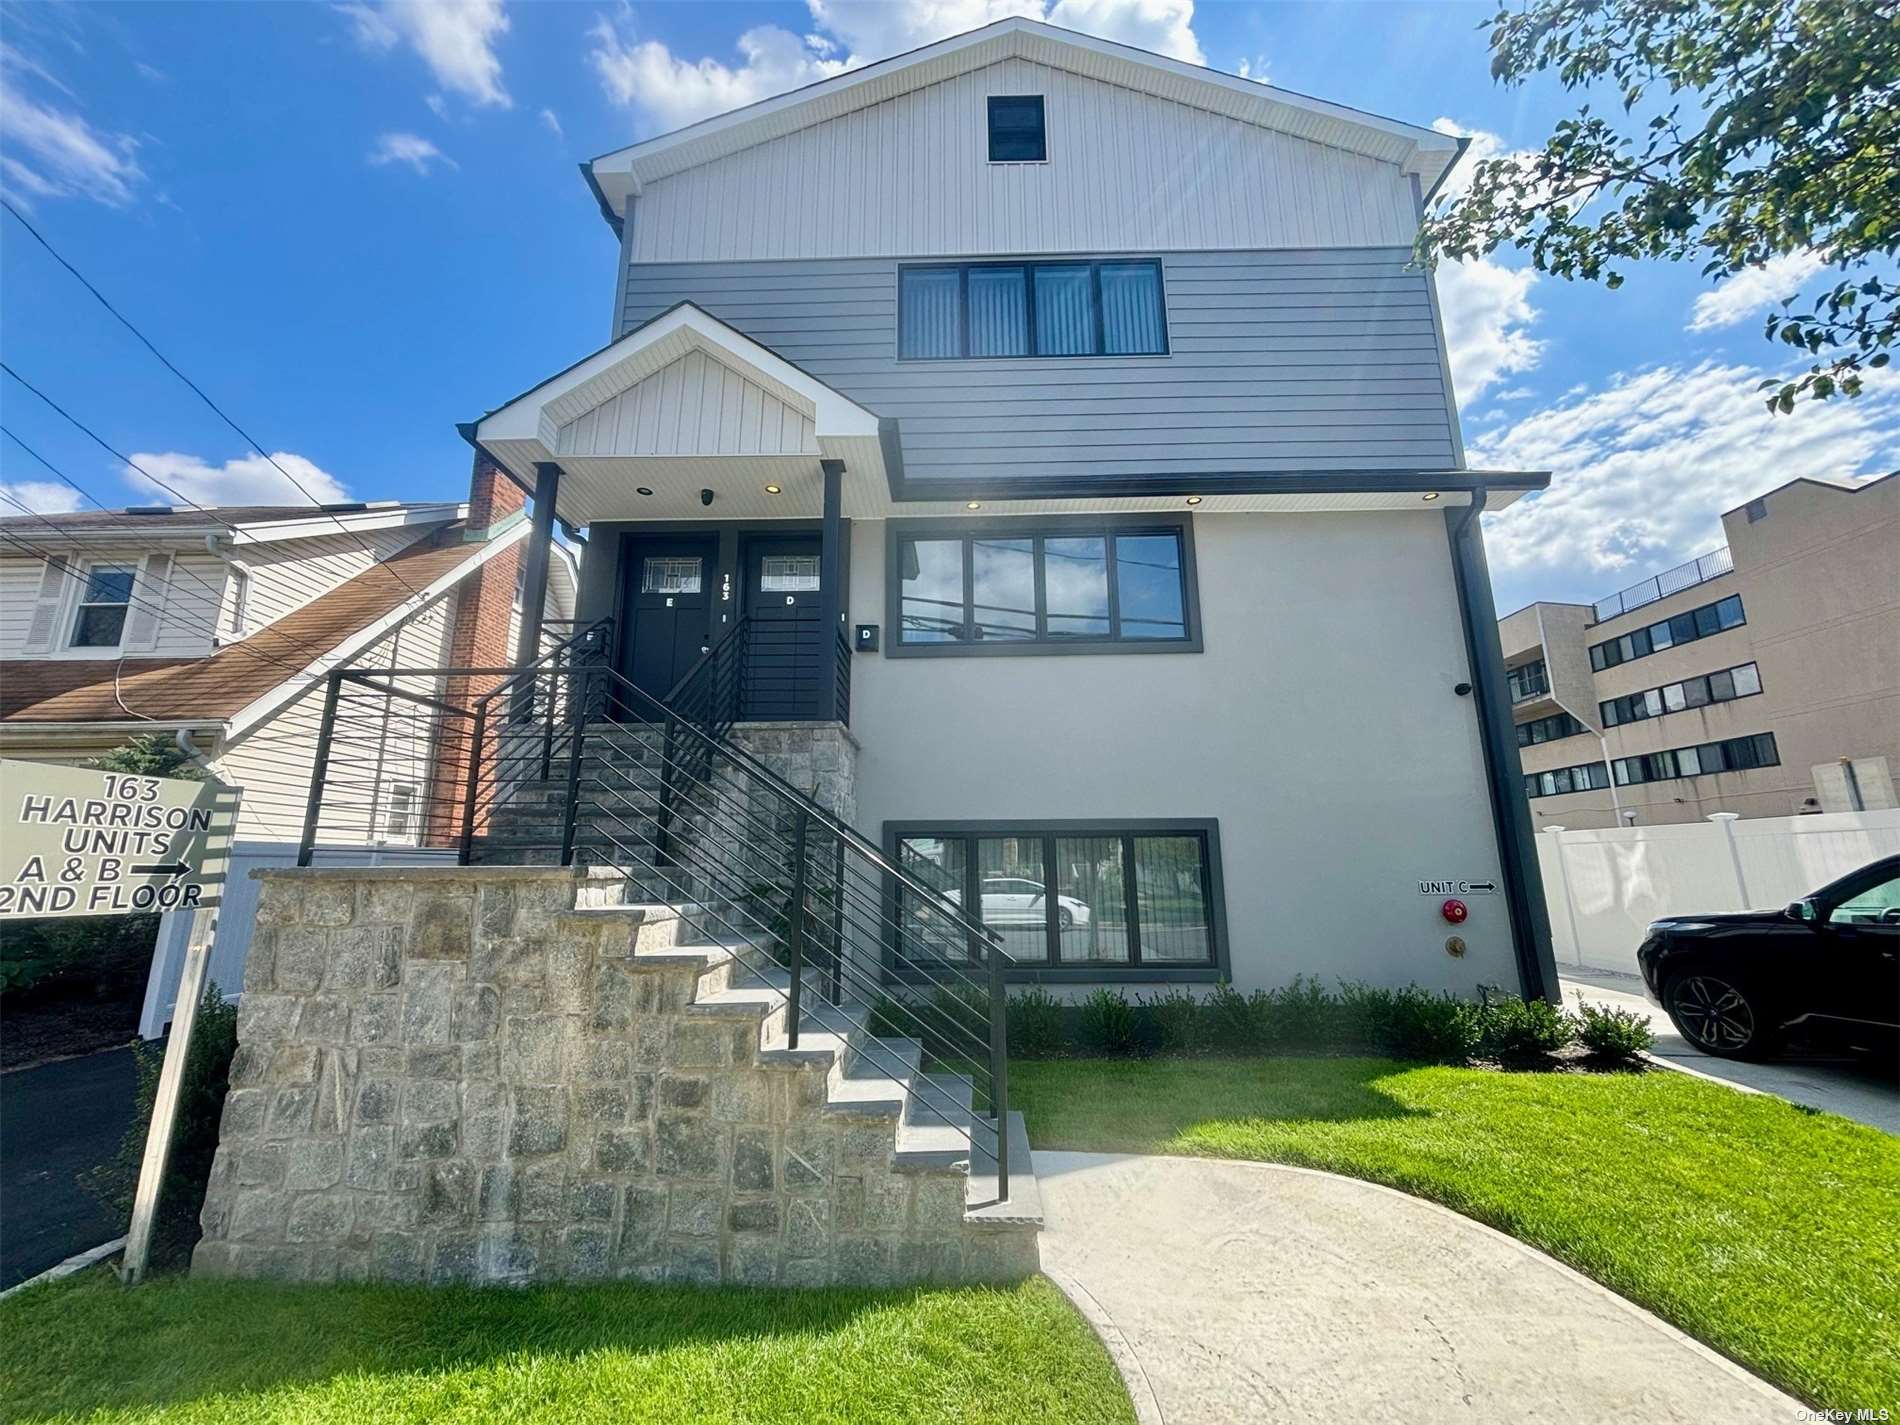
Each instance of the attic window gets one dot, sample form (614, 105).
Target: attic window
(1017, 134)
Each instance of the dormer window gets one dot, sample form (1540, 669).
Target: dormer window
(100, 619)
(1017, 134)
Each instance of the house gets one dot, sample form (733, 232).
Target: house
(1093, 399)
(1762, 678)
(1014, 465)
(216, 627)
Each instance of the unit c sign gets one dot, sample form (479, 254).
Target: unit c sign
(1457, 888)
(74, 841)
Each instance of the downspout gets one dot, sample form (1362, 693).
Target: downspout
(243, 572)
(1504, 774)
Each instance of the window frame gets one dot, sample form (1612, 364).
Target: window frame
(1612, 715)
(1180, 526)
(82, 586)
(1667, 764)
(1568, 727)
(1051, 971)
(989, 125)
(1600, 661)
(1028, 266)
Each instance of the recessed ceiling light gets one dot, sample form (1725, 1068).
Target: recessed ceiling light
(771, 489)
(1194, 499)
(974, 505)
(643, 489)
(1429, 498)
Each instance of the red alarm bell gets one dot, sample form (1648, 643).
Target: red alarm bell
(1454, 911)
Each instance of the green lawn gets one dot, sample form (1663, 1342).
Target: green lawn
(175, 1350)
(1770, 1232)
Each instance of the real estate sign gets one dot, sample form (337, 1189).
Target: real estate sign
(79, 841)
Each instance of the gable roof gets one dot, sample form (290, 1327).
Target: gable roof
(247, 524)
(617, 176)
(223, 685)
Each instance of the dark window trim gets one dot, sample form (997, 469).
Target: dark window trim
(1025, 527)
(1675, 773)
(1645, 629)
(1616, 720)
(1567, 726)
(1514, 676)
(1027, 266)
(1533, 790)
(1172, 972)
(989, 125)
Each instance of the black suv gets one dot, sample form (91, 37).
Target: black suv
(1828, 965)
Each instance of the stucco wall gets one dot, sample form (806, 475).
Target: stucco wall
(1319, 727)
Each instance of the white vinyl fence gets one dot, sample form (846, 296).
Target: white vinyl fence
(1604, 887)
(237, 917)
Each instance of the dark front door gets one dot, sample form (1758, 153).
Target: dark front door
(668, 600)
(783, 660)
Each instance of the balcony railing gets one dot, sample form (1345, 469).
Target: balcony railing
(1670, 581)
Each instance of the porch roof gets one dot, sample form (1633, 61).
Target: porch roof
(682, 404)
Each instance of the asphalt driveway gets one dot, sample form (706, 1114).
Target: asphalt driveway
(1249, 1292)
(56, 1121)
(1855, 1088)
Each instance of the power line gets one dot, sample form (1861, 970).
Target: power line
(196, 390)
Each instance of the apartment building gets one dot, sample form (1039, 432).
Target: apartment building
(1761, 679)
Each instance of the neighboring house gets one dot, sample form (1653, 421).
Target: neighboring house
(1094, 402)
(1761, 679)
(216, 628)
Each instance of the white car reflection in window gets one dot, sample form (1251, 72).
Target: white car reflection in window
(1011, 900)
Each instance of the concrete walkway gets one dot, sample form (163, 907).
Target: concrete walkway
(1247, 1292)
(1858, 1088)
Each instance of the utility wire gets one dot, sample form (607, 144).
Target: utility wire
(196, 390)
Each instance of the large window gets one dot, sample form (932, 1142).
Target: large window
(1734, 754)
(1528, 681)
(1029, 587)
(1031, 309)
(1742, 681)
(1548, 729)
(1685, 627)
(1070, 900)
(99, 621)
(1585, 777)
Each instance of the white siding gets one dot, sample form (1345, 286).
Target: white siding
(911, 177)
(287, 574)
(693, 406)
(185, 602)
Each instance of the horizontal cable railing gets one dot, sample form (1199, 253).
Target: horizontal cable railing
(567, 760)
(1670, 581)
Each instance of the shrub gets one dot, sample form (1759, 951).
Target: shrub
(1182, 1024)
(1233, 1021)
(1035, 1024)
(1364, 1018)
(1107, 1023)
(1518, 1030)
(1614, 1035)
(1439, 1028)
(1301, 1016)
(194, 1133)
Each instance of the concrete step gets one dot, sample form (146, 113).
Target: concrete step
(936, 1129)
(877, 1078)
(983, 1205)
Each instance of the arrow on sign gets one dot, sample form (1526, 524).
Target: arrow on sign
(1480, 885)
(170, 868)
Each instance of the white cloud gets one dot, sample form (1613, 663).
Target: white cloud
(673, 91)
(246, 480)
(1254, 69)
(56, 154)
(1642, 469)
(1488, 318)
(412, 149)
(552, 121)
(42, 497)
(1754, 290)
(455, 38)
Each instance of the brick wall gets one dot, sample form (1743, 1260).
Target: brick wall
(478, 638)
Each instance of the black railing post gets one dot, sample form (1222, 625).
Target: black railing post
(999, 1064)
(467, 852)
(572, 813)
(313, 808)
(547, 723)
(795, 937)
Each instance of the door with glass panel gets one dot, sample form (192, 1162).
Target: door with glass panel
(667, 600)
(784, 660)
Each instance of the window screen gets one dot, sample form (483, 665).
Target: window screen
(1017, 133)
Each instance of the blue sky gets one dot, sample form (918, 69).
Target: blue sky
(357, 224)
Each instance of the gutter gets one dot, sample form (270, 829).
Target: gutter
(1504, 773)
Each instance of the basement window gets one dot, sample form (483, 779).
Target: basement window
(1017, 132)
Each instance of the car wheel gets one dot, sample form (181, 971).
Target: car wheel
(1065, 917)
(1717, 1015)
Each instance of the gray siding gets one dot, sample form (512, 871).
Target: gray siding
(1323, 359)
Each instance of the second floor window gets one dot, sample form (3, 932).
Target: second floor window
(1031, 309)
(1017, 132)
(100, 620)
(1528, 681)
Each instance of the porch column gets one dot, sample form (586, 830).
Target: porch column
(831, 592)
(534, 586)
